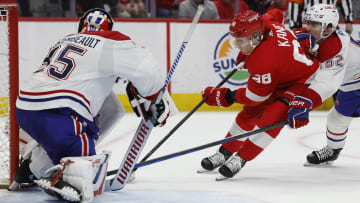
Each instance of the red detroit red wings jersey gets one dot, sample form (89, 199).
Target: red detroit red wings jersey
(277, 63)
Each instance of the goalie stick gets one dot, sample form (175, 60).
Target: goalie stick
(145, 127)
(238, 67)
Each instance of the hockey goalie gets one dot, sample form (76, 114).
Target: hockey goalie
(68, 105)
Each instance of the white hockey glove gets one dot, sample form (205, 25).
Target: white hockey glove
(144, 106)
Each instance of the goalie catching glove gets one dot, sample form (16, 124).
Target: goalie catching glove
(222, 97)
(146, 108)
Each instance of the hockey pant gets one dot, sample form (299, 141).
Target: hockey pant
(61, 132)
(254, 117)
(347, 105)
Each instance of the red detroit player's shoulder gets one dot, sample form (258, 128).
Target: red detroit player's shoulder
(329, 48)
(271, 52)
(113, 35)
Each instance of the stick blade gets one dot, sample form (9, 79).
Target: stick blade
(131, 156)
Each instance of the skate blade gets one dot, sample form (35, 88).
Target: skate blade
(15, 186)
(221, 178)
(68, 195)
(201, 170)
(204, 171)
(321, 165)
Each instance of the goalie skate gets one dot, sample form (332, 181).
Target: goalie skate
(323, 157)
(23, 178)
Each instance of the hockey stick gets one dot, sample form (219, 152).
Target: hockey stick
(195, 149)
(238, 67)
(145, 127)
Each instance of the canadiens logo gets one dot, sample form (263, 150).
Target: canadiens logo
(225, 60)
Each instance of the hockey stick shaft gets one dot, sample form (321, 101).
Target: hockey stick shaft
(145, 127)
(188, 35)
(187, 116)
(180, 153)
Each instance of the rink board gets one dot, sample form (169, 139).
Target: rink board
(207, 59)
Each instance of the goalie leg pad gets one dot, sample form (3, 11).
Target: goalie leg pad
(77, 178)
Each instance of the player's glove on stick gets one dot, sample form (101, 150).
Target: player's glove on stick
(298, 114)
(145, 107)
(222, 97)
(308, 42)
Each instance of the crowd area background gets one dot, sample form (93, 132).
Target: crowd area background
(216, 9)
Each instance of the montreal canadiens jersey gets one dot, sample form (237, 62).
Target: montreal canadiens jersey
(278, 62)
(81, 69)
(339, 66)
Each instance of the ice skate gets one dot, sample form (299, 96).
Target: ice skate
(231, 167)
(323, 157)
(23, 177)
(215, 160)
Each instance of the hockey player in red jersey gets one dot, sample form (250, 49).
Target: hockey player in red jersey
(338, 54)
(67, 106)
(278, 70)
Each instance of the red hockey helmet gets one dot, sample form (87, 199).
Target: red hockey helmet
(95, 20)
(246, 23)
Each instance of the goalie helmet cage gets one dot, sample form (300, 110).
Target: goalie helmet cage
(9, 131)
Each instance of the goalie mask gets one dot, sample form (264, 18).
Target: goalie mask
(95, 20)
(324, 14)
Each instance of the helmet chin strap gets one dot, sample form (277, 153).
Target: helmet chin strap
(253, 46)
(322, 32)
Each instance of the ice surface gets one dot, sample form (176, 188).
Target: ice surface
(276, 176)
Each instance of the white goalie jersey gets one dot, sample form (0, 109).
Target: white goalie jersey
(80, 71)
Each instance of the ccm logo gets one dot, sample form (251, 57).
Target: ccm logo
(297, 103)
